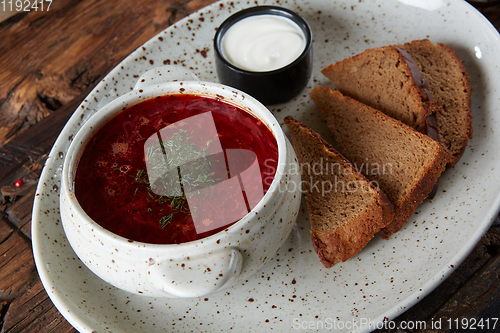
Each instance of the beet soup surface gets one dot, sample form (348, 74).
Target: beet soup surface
(175, 169)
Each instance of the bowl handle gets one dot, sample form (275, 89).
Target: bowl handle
(195, 277)
(162, 74)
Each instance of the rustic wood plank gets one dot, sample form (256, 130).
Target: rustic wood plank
(48, 69)
(50, 321)
(17, 267)
(25, 226)
(26, 153)
(22, 208)
(34, 312)
(4, 306)
(11, 192)
(5, 228)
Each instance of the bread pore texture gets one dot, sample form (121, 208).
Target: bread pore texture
(421, 84)
(345, 209)
(404, 163)
(387, 79)
(448, 83)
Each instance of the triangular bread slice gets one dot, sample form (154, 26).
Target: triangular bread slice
(448, 82)
(345, 209)
(404, 163)
(386, 79)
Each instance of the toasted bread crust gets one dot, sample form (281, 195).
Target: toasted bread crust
(387, 79)
(366, 134)
(348, 240)
(418, 195)
(449, 83)
(337, 239)
(433, 73)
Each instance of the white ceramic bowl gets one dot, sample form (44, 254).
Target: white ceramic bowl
(194, 268)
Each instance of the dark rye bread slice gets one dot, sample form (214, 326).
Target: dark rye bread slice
(404, 163)
(387, 80)
(348, 212)
(449, 83)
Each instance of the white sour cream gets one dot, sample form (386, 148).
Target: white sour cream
(263, 43)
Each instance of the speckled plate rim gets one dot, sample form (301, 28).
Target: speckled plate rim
(411, 298)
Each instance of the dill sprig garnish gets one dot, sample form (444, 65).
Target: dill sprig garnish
(166, 220)
(163, 161)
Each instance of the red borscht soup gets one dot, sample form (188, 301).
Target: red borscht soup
(175, 169)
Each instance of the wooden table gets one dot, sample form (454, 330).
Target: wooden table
(49, 61)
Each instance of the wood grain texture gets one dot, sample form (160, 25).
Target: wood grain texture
(17, 267)
(49, 58)
(33, 312)
(49, 61)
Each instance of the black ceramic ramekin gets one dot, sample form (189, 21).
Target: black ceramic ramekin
(271, 87)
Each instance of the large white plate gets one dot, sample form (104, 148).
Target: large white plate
(294, 290)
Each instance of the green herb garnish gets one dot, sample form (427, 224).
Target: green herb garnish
(163, 159)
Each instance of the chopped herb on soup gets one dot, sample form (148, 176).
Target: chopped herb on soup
(175, 169)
